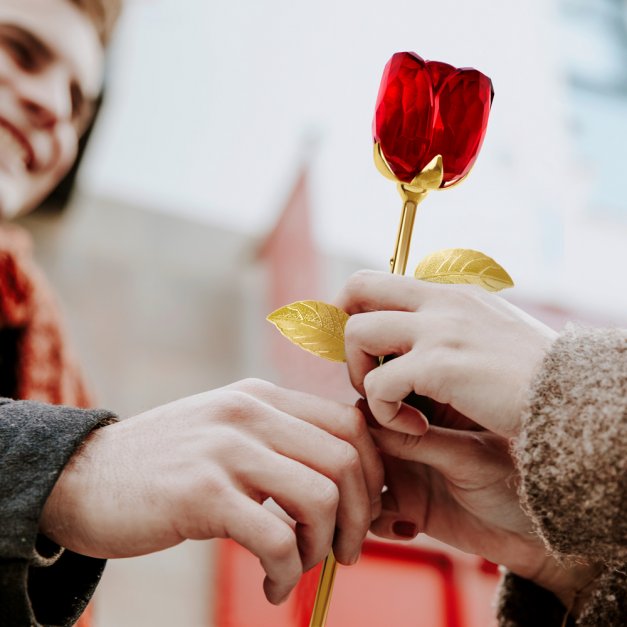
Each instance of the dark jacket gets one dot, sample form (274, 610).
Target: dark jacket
(39, 582)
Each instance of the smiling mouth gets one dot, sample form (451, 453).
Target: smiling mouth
(12, 142)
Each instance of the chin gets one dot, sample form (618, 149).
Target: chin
(8, 209)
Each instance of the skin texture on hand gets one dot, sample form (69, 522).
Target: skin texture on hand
(456, 344)
(442, 413)
(458, 485)
(201, 467)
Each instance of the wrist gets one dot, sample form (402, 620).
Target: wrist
(572, 583)
(62, 519)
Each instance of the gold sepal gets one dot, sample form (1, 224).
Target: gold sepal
(382, 165)
(459, 265)
(315, 326)
(431, 175)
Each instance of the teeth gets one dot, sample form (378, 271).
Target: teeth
(10, 144)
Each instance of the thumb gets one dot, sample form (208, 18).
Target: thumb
(464, 457)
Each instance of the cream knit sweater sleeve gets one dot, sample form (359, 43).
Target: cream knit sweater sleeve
(572, 459)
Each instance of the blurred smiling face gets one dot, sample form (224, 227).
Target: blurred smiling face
(51, 62)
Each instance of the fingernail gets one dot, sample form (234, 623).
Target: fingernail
(404, 529)
(362, 406)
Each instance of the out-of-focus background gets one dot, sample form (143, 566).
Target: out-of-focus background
(220, 116)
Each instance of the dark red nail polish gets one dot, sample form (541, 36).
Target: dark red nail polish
(404, 529)
(362, 406)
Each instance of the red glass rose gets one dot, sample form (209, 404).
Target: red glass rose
(429, 108)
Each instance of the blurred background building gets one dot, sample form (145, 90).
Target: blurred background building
(214, 108)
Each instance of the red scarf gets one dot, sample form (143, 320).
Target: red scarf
(45, 368)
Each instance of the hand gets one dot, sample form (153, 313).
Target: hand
(201, 467)
(459, 487)
(456, 344)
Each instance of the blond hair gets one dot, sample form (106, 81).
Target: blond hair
(102, 13)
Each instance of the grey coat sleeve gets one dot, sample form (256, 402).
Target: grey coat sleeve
(572, 459)
(38, 583)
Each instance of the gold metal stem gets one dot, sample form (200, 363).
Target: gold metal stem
(398, 262)
(323, 594)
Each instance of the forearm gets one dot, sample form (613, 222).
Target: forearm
(572, 450)
(571, 455)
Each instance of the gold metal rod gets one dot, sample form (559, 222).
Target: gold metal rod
(323, 594)
(398, 263)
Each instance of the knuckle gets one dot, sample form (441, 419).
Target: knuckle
(348, 459)
(239, 405)
(439, 363)
(409, 442)
(463, 296)
(207, 481)
(252, 385)
(282, 545)
(352, 330)
(356, 283)
(327, 496)
(360, 278)
(354, 425)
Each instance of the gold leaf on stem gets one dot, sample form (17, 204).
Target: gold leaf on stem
(460, 265)
(315, 326)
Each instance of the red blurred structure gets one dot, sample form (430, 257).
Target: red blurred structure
(392, 584)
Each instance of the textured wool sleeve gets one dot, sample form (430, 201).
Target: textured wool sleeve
(572, 451)
(572, 459)
(38, 583)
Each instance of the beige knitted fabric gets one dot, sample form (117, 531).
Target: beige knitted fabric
(572, 459)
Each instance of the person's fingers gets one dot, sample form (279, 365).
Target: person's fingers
(386, 387)
(372, 335)
(407, 419)
(339, 461)
(441, 414)
(269, 538)
(368, 290)
(404, 502)
(340, 420)
(465, 457)
(308, 497)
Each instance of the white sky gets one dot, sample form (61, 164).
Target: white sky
(212, 103)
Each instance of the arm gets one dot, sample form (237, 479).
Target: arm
(36, 442)
(572, 458)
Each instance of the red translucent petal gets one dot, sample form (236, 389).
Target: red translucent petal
(462, 109)
(404, 114)
(439, 72)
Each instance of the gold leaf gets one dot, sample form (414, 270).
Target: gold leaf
(314, 326)
(459, 265)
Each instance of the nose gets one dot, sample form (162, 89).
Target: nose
(46, 97)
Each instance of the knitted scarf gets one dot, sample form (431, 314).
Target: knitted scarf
(44, 368)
